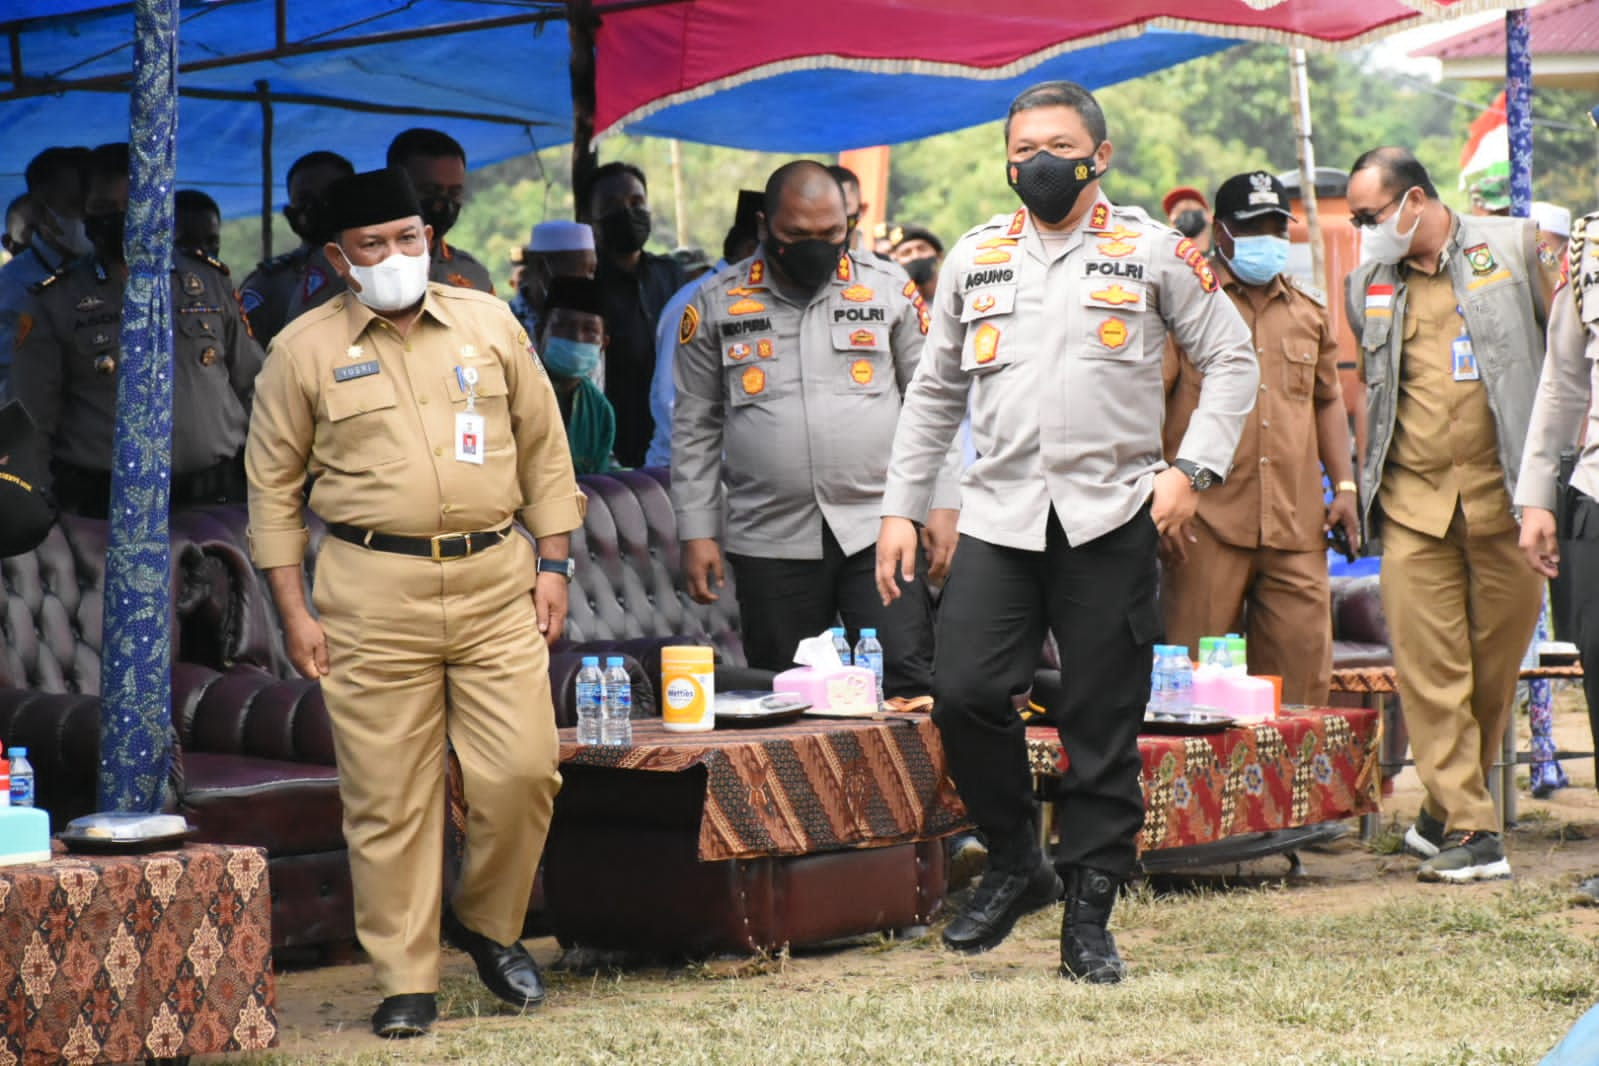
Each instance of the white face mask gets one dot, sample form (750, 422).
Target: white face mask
(398, 282)
(1383, 243)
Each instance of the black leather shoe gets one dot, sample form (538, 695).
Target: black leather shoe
(1087, 950)
(402, 1017)
(507, 969)
(1002, 898)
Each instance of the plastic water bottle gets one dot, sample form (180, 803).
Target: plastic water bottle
(841, 645)
(616, 725)
(21, 778)
(1159, 679)
(1220, 656)
(1238, 654)
(1179, 680)
(869, 653)
(590, 700)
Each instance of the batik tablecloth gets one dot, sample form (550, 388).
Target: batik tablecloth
(127, 957)
(1302, 768)
(818, 784)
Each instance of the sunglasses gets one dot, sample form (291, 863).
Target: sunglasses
(1372, 219)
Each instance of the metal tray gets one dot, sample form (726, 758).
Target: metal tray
(1186, 722)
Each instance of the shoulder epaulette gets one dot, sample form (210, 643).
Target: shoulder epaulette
(215, 264)
(279, 262)
(1576, 248)
(39, 286)
(1316, 296)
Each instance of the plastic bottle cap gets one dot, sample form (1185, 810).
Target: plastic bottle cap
(614, 660)
(868, 633)
(591, 660)
(837, 631)
(17, 753)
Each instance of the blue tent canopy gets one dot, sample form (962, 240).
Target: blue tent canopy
(347, 75)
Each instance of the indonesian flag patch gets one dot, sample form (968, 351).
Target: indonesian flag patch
(1379, 297)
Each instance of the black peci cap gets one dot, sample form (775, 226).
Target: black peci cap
(1251, 195)
(369, 199)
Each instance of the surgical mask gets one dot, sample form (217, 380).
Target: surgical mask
(1190, 223)
(567, 358)
(807, 263)
(921, 269)
(105, 231)
(1256, 260)
(400, 281)
(1049, 185)
(68, 234)
(625, 230)
(1383, 243)
(440, 212)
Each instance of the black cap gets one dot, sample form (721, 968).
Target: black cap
(1251, 195)
(918, 233)
(750, 203)
(369, 199)
(574, 293)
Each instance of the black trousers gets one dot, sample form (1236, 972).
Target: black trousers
(1099, 599)
(1580, 558)
(85, 492)
(783, 601)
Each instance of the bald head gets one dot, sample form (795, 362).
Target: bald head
(805, 202)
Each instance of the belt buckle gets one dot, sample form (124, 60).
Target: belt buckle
(435, 541)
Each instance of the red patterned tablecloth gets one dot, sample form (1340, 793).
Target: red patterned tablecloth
(818, 784)
(127, 957)
(1305, 767)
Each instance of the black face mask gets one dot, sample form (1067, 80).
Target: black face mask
(1190, 223)
(921, 269)
(106, 230)
(625, 230)
(303, 221)
(1050, 185)
(807, 263)
(440, 212)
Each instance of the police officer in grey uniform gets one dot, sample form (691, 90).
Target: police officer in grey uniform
(65, 370)
(268, 292)
(1052, 324)
(436, 164)
(790, 369)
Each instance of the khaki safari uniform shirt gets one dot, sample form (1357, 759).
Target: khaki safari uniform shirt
(786, 406)
(1568, 383)
(1059, 348)
(65, 371)
(1273, 497)
(371, 415)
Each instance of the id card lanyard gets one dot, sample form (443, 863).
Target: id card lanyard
(469, 425)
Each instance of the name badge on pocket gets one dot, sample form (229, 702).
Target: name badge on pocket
(1464, 359)
(469, 431)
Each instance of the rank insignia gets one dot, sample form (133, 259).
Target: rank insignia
(844, 271)
(984, 303)
(991, 257)
(910, 289)
(998, 242)
(864, 338)
(757, 274)
(1119, 242)
(861, 371)
(985, 343)
(688, 325)
(354, 351)
(1480, 258)
(1206, 276)
(1116, 296)
(763, 349)
(746, 306)
(1113, 333)
(1099, 218)
(208, 356)
(858, 294)
(192, 284)
(923, 319)
(738, 351)
(753, 379)
(1017, 221)
(89, 303)
(460, 281)
(1184, 248)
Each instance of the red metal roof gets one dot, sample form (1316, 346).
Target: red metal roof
(1559, 27)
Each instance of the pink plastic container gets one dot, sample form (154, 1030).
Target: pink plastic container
(846, 690)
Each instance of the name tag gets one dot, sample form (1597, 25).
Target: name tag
(1464, 359)
(351, 371)
(469, 430)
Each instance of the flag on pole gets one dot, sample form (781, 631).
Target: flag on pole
(1485, 161)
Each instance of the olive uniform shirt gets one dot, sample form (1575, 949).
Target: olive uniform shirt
(65, 371)
(452, 266)
(1273, 497)
(370, 414)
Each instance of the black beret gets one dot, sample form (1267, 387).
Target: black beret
(369, 199)
(917, 233)
(574, 293)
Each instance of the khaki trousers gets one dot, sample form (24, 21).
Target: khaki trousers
(1460, 611)
(1289, 601)
(419, 651)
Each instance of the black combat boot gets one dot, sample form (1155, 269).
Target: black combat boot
(1087, 950)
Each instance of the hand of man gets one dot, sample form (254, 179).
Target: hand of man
(1344, 511)
(702, 569)
(1174, 544)
(306, 645)
(549, 604)
(1538, 541)
(1175, 500)
(896, 556)
(939, 537)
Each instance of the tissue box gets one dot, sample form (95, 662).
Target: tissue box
(842, 690)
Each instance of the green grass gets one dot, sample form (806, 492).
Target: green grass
(1488, 975)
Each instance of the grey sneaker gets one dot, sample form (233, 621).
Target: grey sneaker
(1425, 836)
(1473, 856)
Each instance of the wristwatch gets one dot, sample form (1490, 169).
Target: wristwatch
(1346, 486)
(567, 568)
(1200, 477)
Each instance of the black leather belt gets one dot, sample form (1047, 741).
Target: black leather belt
(443, 546)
